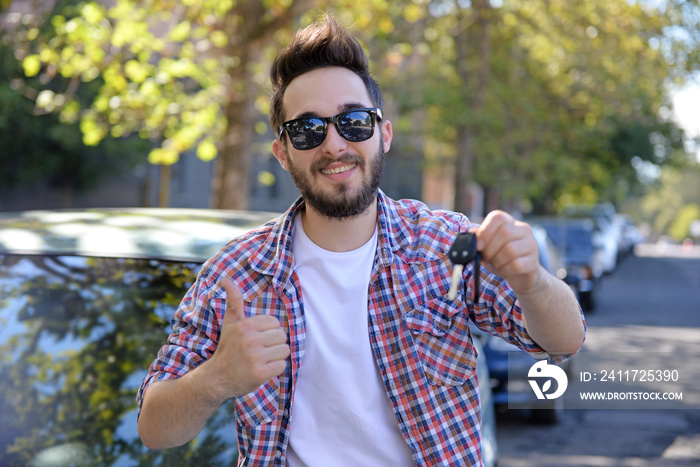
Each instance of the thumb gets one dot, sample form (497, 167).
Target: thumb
(234, 302)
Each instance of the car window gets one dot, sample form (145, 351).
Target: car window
(76, 338)
(572, 238)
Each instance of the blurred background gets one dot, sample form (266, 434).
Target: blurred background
(530, 106)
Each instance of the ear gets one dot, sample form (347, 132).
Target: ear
(386, 134)
(279, 150)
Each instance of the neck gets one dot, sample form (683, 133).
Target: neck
(340, 235)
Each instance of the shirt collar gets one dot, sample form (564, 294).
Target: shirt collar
(274, 257)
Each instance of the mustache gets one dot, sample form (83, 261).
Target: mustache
(325, 161)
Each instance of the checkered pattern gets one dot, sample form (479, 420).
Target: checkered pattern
(420, 339)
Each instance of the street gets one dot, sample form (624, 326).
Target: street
(650, 304)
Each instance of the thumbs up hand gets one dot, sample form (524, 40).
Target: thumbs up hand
(251, 351)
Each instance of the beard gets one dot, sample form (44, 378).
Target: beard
(340, 203)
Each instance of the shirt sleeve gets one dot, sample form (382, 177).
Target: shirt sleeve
(194, 337)
(498, 313)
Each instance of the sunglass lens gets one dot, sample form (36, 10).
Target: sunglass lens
(356, 125)
(306, 133)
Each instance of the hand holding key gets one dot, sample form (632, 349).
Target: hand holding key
(463, 252)
(509, 250)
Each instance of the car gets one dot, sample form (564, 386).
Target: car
(85, 303)
(583, 255)
(606, 227)
(552, 258)
(630, 236)
(489, 439)
(86, 298)
(509, 368)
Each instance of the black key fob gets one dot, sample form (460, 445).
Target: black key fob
(463, 252)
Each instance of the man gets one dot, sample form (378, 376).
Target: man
(330, 326)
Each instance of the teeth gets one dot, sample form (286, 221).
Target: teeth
(338, 170)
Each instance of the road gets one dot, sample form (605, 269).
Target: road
(652, 302)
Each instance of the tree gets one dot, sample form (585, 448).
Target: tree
(40, 148)
(534, 99)
(671, 203)
(179, 73)
(604, 77)
(538, 100)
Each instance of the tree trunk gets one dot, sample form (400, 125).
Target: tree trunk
(231, 183)
(466, 150)
(249, 32)
(464, 166)
(164, 186)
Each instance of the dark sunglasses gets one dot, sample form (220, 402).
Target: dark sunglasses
(309, 132)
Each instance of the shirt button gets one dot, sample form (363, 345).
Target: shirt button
(278, 454)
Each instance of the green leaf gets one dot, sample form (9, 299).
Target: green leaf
(207, 151)
(163, 156)
(181, 32)
(266, 178)
(31, 65)
(218, 38)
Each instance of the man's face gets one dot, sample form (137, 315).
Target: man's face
(339, 178)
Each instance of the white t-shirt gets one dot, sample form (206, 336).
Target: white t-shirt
(341, 414)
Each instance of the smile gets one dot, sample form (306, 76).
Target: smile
(338, 170)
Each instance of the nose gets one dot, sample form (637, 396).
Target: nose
(334, 143)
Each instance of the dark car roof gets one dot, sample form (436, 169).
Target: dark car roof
(163, 233)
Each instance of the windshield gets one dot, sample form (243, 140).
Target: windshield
(76, 338)
(573, 239)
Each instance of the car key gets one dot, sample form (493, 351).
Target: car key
(463, 252)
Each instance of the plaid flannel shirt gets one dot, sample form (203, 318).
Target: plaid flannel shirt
(420, 339)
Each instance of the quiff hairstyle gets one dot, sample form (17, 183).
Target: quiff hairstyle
(322, 44)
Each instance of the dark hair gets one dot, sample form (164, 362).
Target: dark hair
(322, 44)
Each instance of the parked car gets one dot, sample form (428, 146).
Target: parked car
(86, 299)
(630, 236)
(552, 258)
(607, 231)
(85, 303)
(489, 440)
(583, 252)
(509, 365)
